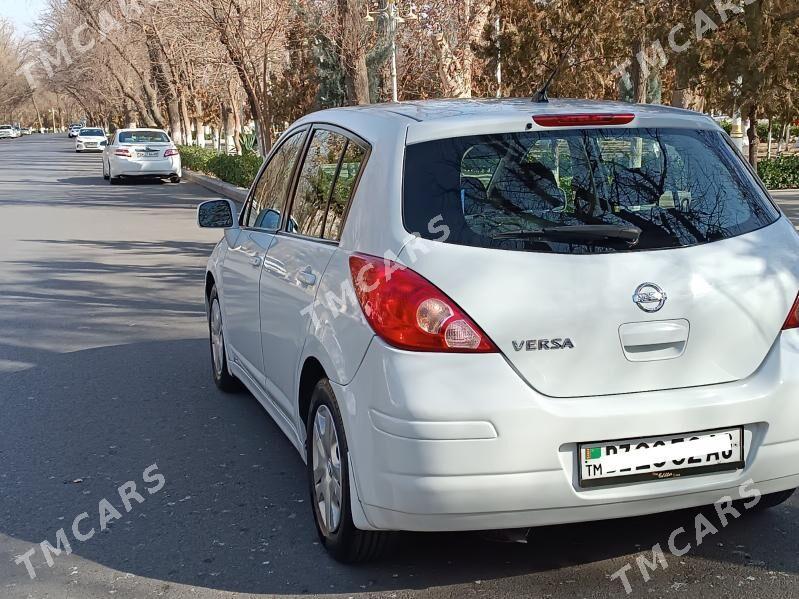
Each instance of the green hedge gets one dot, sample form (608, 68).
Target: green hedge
(777, 173)
(780, 173)
(238, 170)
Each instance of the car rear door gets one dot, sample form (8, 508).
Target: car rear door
(300, 253)
(242, 266)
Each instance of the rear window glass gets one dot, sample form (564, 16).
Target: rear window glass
(135, 137)
(507, 191)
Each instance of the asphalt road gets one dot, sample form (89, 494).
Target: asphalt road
(104, 371)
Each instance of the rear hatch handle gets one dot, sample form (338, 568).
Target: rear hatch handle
(656, 340)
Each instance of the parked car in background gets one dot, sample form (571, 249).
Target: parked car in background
(74, 130)
(505, 314)
(141, 153)
(7, 132)
(91, 140)
(26, 131)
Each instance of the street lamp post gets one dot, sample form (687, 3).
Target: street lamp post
(391, 13)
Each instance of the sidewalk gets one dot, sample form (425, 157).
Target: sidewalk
(237, 194)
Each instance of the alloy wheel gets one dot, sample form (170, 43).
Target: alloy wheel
(217, 338)
(326, 470)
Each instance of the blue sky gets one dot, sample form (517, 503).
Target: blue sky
(21, 12)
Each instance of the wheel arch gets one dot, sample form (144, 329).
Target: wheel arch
(312, 372)
(210, 281)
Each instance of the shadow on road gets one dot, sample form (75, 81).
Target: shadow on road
(233, 514)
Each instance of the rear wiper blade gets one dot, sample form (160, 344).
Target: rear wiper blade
(630, 234)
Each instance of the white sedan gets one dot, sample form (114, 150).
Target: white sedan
(7, 132)
(141, 153)
(91, 140)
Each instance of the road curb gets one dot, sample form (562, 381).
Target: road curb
(237, 194)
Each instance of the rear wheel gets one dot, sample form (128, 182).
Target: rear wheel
(174, 179)
(219, 367)
(328, 475)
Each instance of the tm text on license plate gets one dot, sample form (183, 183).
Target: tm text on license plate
(652, 458)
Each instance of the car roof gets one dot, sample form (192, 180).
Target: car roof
(140, 129)
(433, 119)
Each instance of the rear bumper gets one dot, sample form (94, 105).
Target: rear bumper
(459, 442)
(165, 167)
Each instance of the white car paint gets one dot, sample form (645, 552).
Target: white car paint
(7, 132)
(141, 153)
(462, 441)
(91, 139)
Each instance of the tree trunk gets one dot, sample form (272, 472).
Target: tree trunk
(455, 74)
(159, 71)
(770, 138)
(236, 118)
(185, 121)
(228, 125)
(38, 114)
(199, 130)
(752, 135)
(353, 52)
(639, 80)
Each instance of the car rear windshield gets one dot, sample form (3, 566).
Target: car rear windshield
(92, 132)
(136, 137)
(509, 191)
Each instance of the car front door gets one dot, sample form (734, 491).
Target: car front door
(301, 251)
(244, 260)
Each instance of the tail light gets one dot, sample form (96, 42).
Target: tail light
(122, 152)
(409, 312)
(792, 321)
(582, 120)
(171, 152)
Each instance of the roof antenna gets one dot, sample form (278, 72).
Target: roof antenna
(541, 95)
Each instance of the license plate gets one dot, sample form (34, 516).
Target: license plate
(653, 458)
(147, 154)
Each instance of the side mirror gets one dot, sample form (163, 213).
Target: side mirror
(217, 214)
(268, 219)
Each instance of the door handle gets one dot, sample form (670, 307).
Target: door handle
(306, 277)
(256, 260)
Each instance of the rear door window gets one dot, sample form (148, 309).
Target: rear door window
(506, 191)
(325, 185)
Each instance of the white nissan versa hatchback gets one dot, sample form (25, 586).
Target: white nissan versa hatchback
(503, 314)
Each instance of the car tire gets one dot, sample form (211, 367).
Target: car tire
(219, 366)
(114, 180)
(328, 472)
(174, 179)
(770, 500)
(105, 174)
